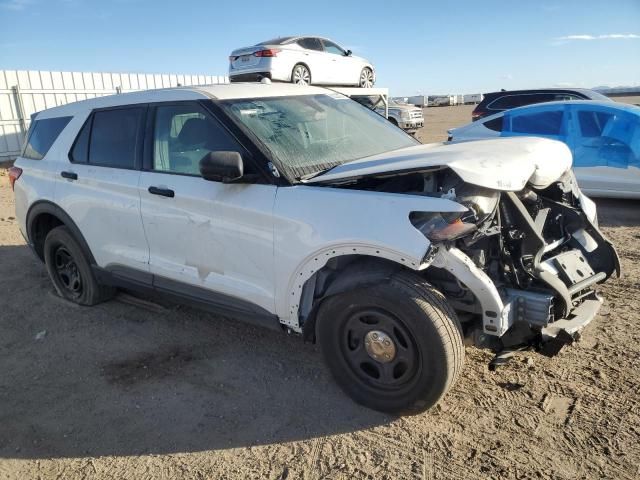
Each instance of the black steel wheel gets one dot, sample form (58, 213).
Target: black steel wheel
(394, 346)
(70, 271)
(66, 271)
(379, 348)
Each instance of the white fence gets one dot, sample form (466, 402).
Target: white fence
(23, 93)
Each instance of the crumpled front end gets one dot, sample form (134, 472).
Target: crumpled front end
(532, 262)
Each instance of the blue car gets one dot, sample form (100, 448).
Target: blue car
(604, 138)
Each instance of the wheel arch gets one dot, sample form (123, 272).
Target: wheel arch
(334, 271)
(42, 217)
(306, 65)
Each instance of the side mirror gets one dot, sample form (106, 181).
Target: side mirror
(222, 166)
(348, 53)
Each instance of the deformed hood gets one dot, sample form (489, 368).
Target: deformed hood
(500, 164)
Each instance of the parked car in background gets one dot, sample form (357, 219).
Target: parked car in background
(408, 117)
(471, 98)
(296, 208)
(495, 102)
(302, 60)
(604, 138)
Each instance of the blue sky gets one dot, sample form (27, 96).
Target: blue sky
(424, 46)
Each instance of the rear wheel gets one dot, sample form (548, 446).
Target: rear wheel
(70, 271)
(366, 78)
(301, 75)
(395, 347)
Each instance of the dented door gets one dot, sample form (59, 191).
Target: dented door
(211, 235)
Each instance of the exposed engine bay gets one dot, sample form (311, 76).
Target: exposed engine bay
(540, 247)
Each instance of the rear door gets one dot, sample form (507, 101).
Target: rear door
(204, 236)
(98, 187)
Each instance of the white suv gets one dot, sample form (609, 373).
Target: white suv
(298, 208)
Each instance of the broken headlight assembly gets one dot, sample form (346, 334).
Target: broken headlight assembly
(441, 227)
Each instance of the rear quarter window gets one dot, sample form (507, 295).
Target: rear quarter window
(495, 124)
(43, 134)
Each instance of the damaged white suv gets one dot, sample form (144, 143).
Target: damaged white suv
(298, 208)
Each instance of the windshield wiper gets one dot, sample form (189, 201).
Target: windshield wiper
(309, 176)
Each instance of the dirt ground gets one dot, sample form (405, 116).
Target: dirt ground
(131, 390)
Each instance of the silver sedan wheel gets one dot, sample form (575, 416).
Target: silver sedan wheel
(301, 75)
(366, 78)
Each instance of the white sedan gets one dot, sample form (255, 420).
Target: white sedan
(301, 60)
(604, 138)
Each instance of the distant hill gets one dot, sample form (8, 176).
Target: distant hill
(617, 91)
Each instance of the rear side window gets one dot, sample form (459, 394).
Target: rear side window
(43, 134)
(541, 123)
(114, 137)
(311, 43)
(512, 101)
(109, 138)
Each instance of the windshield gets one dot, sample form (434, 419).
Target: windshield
(307, 134)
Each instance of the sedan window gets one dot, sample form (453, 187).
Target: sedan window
(495, 124)
(609, 139)
(539, 123)
(311, 43)
(331, 47)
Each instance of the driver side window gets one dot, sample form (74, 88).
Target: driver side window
(331, 47)
(183, 134)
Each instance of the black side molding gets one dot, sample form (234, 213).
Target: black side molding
(179, 292)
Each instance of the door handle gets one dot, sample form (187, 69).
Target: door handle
(163, 192)
(69, 175)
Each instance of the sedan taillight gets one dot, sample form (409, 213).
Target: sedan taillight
(270, 52)
(14, 174)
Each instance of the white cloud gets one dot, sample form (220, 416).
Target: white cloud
(16, 4)
(610, 36)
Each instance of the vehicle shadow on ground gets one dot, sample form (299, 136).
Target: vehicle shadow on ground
(125, 379)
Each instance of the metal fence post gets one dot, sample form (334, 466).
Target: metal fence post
(20, 112)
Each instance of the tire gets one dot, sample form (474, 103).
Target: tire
(70, 271)
(393, 120)
(428, 353)
(366, 78)
(301, 75)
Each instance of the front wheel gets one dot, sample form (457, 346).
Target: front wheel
(301, 75)
(394, 347)
(366, 78)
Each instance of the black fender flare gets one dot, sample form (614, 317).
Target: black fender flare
(46, 207)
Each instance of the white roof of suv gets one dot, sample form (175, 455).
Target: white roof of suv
(222, 92)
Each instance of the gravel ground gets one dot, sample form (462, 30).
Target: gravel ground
(131, 389)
